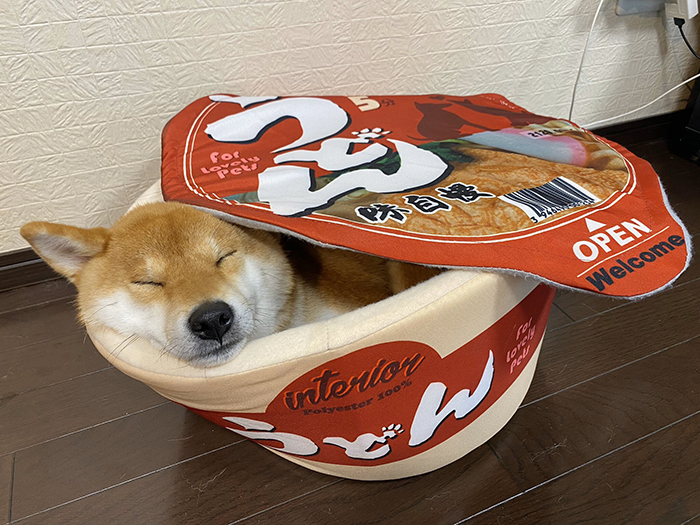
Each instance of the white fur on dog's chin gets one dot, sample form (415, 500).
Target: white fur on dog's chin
(255, 299)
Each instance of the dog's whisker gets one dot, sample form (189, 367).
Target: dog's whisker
(90, 316)
(274, 277)
(133, 340)
(117, 348)
(125, 343)
(160, 355)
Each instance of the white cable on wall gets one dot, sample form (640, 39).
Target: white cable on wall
(592, 124)
(583, 56)
(578, 77)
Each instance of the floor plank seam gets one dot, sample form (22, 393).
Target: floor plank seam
(34, 283)
(62, 381)
(623, 305)
(12, 488)
(583, 465)
(691, 519)
(609, 371)
(91, 426)
(288, 501)
(43, 341)
(127, 481)
(43, 303)
(517, 482)
(566, 314)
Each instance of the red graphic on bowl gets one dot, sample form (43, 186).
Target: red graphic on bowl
(394, 400)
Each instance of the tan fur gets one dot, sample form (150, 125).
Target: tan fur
(146, 275)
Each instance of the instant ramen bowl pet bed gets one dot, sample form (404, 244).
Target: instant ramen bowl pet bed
(394, 389)
(414, 382)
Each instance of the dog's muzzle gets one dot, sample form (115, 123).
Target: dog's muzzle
(211, 320)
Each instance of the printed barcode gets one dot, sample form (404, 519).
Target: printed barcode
(544, 201)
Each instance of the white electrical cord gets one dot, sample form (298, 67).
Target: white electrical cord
(578, 77)
(592, 124)
(583, 56)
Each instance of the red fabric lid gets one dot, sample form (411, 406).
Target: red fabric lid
(437, 180)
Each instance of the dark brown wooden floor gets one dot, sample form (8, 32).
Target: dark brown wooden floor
(608, 433)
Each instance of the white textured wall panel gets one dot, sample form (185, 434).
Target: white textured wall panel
(87, 85)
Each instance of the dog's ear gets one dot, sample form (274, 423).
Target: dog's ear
(65, 248)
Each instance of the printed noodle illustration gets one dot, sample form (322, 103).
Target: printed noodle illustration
(494, 173)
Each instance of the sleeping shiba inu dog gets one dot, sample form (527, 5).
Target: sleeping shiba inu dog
(199, 287)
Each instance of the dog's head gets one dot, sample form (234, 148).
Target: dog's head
(194, 285)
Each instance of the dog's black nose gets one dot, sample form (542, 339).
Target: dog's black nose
(211, 320)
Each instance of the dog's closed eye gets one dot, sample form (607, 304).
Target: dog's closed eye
(223, 257)
(148, 283)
